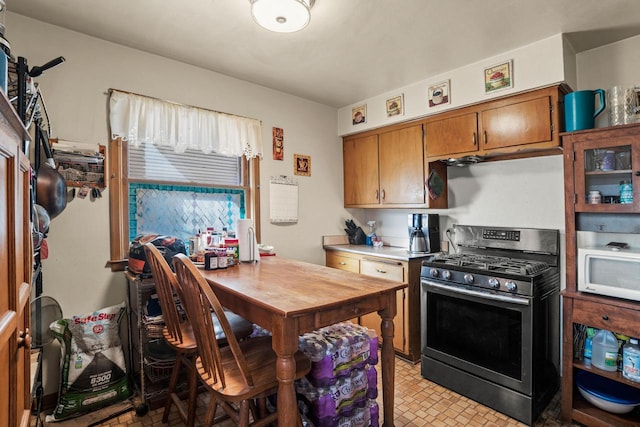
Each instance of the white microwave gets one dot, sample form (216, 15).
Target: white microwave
(608, 272)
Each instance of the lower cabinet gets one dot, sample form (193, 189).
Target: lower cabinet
(406, 340)
(613, 314)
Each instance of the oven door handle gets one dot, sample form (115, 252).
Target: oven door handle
(486, 295)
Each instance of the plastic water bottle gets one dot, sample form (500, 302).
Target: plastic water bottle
(604, 351)
(631, 360)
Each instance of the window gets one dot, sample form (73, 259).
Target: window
(175, 169)
(155, 190)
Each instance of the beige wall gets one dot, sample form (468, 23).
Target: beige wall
(615, 64)
(534, 65)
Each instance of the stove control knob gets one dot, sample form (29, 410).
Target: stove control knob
(446, 274)
(433, 272)
(468, 278)
(511, 286)
(494, 283)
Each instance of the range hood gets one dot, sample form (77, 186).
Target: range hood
(463, 161)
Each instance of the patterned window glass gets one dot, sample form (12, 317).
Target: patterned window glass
(182, 210)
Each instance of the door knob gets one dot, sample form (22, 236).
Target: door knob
(24, 339)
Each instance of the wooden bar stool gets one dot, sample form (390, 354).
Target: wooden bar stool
(235, 375)
(178, 333)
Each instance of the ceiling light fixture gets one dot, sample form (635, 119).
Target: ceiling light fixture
(282, 16)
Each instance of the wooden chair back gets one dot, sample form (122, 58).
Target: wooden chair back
(200, 302)
(166, 285)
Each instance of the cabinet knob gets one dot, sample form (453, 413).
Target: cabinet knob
(484, 135)
(382, 194)
(474, 139)
(637, 173)
(605, 317)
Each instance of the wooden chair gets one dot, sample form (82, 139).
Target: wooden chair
(178, 333)
(239, 373)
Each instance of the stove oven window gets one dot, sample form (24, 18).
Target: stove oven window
(485, 335)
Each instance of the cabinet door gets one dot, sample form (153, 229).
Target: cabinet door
(395, 272)
(402, 166)
(451, 136)
(373, 321)
(361, 179)
(593, 173)
(521, 123)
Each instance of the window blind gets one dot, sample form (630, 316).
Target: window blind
(157, 163)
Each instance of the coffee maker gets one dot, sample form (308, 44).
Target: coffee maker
(424, 233)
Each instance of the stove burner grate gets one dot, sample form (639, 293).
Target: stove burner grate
(516, 266)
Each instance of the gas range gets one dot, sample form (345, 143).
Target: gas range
(490, 317)
(500, 259)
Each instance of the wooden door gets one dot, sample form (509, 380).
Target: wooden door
(361, 178)
(15, 272)
(402, 166)
(451, 136)
(521, 123)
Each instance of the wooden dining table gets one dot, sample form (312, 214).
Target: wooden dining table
(289, 298)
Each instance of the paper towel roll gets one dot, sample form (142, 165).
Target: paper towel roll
(247, 241)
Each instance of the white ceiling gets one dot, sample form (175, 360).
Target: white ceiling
(352, 49)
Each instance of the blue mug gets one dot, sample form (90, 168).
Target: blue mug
(580, 109)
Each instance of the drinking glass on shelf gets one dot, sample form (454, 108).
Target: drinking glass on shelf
(623, 160)
(598, 157)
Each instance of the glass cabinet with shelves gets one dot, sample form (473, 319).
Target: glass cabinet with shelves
(602, 197)
(606, 169)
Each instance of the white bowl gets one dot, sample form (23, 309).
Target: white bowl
(616, 408)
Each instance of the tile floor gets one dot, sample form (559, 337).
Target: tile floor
(418, 403)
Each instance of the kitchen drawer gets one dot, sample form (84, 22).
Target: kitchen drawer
(342, 262)
(386, 270)
(604, 316)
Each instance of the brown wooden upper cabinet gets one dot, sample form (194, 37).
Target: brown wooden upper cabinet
(385, 168)
(518, 124)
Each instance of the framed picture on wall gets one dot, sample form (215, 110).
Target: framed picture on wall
(498, 77)
(395, 106)
(439, 94)
(301, 165)
(278, 143)
(359, 114)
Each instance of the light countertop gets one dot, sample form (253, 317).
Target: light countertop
(390, 252)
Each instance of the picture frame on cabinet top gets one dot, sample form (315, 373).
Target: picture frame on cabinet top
(395, 106)
(498, 77)
(359, 114)
(439, 94)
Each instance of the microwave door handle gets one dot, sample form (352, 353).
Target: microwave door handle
(480, 294)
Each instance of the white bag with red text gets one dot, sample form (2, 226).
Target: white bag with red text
(92, 366)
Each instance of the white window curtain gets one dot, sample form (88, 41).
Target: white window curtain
(140, 119)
